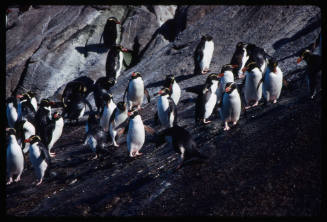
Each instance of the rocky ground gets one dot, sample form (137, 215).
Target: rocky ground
(269, 164)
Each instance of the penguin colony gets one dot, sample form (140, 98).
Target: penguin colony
(33, 128)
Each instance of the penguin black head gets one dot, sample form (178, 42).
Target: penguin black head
(11, 99)
(230, 86)
(113, 19)
(136, 75)
(31, 94)
(250, 66)
(241, 45)
(20, 124)
(228, 67)
(108, 83)
(33, 139)
(164, 91)
(46, 103)
(211, 77)
(24, 97)
(272, 64)
(305, 55)
(121, 105)
(10, 131)
(133, 112)
(206, 38)
(170, 79)
(107, 97)
(56, 116)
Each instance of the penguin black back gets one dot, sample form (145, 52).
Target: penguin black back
(101, 87)
(110, 32)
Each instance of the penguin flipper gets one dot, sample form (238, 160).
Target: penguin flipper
(125, 129)
(44, 153)
(173, 109)
(88, 104)
(146, 92)
(112, 117)
(261, 80)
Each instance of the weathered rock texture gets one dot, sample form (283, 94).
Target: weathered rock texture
(269, 164)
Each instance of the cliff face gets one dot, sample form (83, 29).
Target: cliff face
(269, 164)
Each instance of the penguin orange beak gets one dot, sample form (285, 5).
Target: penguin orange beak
(244, 69)
(227, 89)
(160, 92)
(129, 113)
(234, 66)
(299, 60)
(124, 50)
(55, 115)
(220, 75)
(19, 96)
(117, 22)
(52, 103)
(27, 141)
(133, 74)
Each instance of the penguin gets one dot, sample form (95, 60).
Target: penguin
(135, 91)
(24, 129)
(25, 109)
(206, 99)
(117, 120)
(312, 70)
(135, 133)
(39, 157)
(272, 82)
(81, 86)
(257, 55)
(171, 84)
(108, 110)
(101, 87)
(15, 158)
(76, 108)
(252, 89)
(114, 61)
(230, 109)
(203, 55)
(33, 99)
(182, 143)
(43, 119)
(55, 129)
(95, 136)
(11, 111)
(239, 58)
(110, 32)
(226, 75)
(166, 109)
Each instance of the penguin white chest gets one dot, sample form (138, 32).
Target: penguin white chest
(228, 77)
(273, 84)
(107, 112)
(231, 108)
(163, 106)
(120, 64)
(39, 164)
(15, 158)
(244, 59)
(34, 103)
(136, 91)
(29, 130)
(12, 114)
(136, 133)
(56, 132)
(120, 118)
(211, 102)
(207, 54)
(176, 93)
(251, 82)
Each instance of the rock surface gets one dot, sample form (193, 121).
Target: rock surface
(269, 164)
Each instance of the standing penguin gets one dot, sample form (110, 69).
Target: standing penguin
(15, 158)
(25, 109)
(171, 84)
(239, 58)
(95, 135)
(203, 55)
(272, 82)
(257, 55)
(43, 118)
(231, 105)
(33, 99)
(226, 74)
(11, 111)
(182, 143)
(135, 91)
(207, 98)
(24, 129)
(110, 32)
(108, 110)
(39, 157)
(136, 132)
(76, 109)
(312, 70)
(117, 121)
(252, 89)
(114, 62)
(167, 111)
(54, 132)
(101, 87)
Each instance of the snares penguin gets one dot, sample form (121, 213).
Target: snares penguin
(11, 111)
(33, 99)
(203, 55)
(252, 89)
(257, 55)
(171, 84)
(135, 91)
(108, 110)
(231, 105)
(312, 70)
(272, 82)
(166, 109)
(101, 87)
(15, 158)
(239, 58)
(43, 118)
(114, 61)
(55, 129)
(25, 109)
(24, 129)
(110, 32)
(206, 99)
(39, 157)
(182, 143)
(76, 109)
(226, 75)
(117, 120)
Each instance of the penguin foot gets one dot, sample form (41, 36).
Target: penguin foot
(17, 179)
(39, 182)
(241, 76)
(247, 107)
(275, 101)
(115, 145)
(206, 121)
(10, 181)
(95, 157)
(255, 104)
(234, 123)
(226, 127)
(52, 154)
(138, 154)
